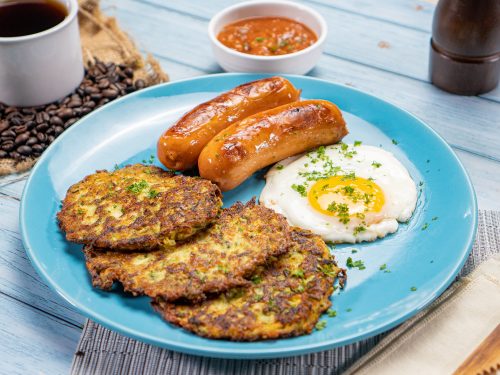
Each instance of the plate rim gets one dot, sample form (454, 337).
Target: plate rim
(233, 353)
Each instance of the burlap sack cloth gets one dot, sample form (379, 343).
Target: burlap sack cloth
(101, 37)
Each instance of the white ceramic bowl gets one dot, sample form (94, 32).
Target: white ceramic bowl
(299, 62)
(43, 67)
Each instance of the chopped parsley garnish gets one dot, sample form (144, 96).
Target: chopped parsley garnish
(354, 251)
(344, 146)
(359, 264)
(327, 270)
(153, 193)
(394, 142)
(116, 167)
(349, 176)
(359, 229)
(320, 325)
(137, 187)
(348, 310)
(80, 211)
(298, 273)
(222, 268)
(301, 189)
(342, 211)
(256, 279)
(348, 189)
(421, 183)
(413, 288)
(357, 143)
(332, 313)
(383, 267)
(279, 167)
(331, 244)
(376, 164)
(259, 39)
(300, 288)
(425, 226)
(435, 218)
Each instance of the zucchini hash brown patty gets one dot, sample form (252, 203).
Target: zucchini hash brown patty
(244, 237)
(285, 299)
(137, 207)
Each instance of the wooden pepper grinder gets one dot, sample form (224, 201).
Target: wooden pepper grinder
(465, 46)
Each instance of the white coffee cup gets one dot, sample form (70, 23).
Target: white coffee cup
(41, 68)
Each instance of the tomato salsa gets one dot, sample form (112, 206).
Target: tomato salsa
(267, 36)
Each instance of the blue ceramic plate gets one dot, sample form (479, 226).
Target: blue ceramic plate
(425, 254)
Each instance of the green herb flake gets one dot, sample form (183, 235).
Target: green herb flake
(137, 187)
(279, 167)
(359, 229)
(116, 167)
(359, 264)
(331, 313)
(153, 194)
(383, 267)
(357, 143)
(354, 251)
(320, 325)
(349, 190)
(301, 189)
(348, 310)
(425, 226)
(376, 164)
(80, 211)
(222, 268)
(298, 273)
(413, 288)
(349, 176)
(342, 211)
(300, 288)
(394, 142)
(328, 270)
(256, 279)
(260, 39)
(435, 218)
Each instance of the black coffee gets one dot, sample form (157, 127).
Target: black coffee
(18, 18)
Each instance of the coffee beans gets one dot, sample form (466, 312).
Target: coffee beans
(26, 132)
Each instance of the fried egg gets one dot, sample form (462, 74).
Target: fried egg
(344, 193)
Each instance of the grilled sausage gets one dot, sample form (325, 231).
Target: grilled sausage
(237, 152)
(180, 145)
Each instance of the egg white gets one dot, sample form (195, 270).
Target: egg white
(368, 162)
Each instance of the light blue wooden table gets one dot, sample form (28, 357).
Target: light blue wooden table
(380, 47)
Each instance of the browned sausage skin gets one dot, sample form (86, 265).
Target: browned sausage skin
(267, 137)
(180, 145)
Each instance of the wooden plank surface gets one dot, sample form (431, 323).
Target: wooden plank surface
(39, 331)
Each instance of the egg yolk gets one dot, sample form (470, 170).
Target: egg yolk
(346, 197)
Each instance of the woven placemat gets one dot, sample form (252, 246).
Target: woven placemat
(102, 39)
(101, 351)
